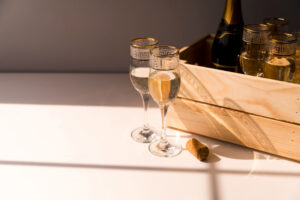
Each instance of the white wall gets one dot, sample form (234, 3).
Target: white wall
(93, 35)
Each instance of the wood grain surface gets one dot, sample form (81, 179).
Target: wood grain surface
(259, 96)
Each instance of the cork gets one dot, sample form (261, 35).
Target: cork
(199, 150)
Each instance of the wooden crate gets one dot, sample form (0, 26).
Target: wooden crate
(254, 112)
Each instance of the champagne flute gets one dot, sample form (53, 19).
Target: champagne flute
(276, 24)
(280, 61)
(164, 84)
(139, 73)
(296, 78)
(254, 51)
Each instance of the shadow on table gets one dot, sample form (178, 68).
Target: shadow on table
(140, 168)
(212, 171)
(89, 89)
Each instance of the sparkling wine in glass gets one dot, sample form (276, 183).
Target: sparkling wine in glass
(164, 84)
(139, 73)
(254, 49)
(280, 62)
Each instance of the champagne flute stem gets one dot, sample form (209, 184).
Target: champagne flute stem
(145, 98)
(164, 110)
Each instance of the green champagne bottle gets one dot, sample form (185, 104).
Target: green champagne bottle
(228, 41)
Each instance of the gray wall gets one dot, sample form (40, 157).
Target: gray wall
(93, 35)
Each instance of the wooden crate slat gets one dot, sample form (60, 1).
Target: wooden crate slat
(237, 127)
(273, 99)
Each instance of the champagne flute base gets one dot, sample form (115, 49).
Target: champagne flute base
(164, 149)
(143, 135)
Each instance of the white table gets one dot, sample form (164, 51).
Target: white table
(67, 136)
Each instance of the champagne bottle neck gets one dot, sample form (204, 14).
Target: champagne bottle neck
(233, 12)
